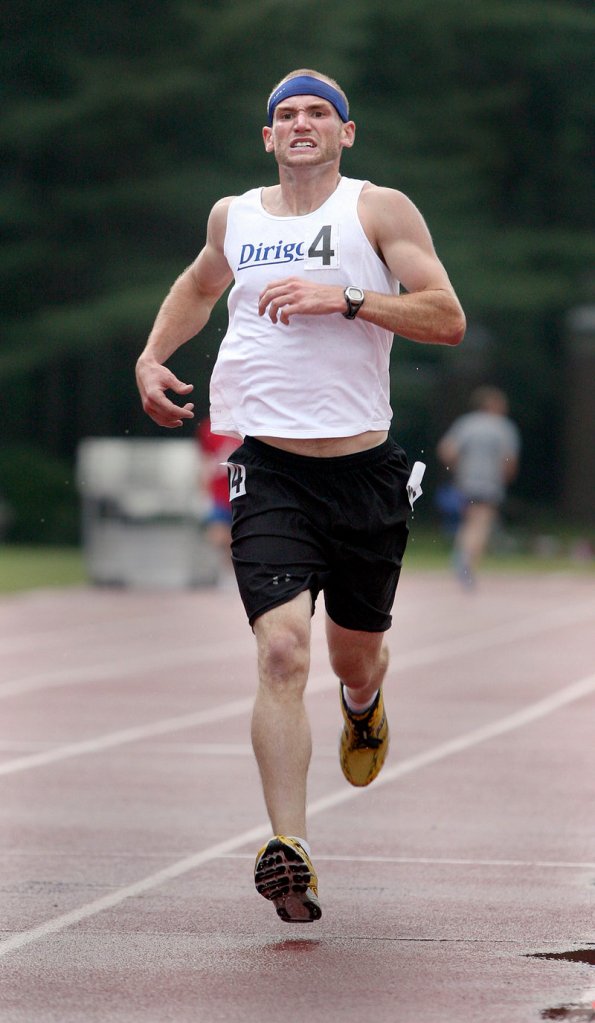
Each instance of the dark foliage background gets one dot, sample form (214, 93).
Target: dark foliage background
(123, 122)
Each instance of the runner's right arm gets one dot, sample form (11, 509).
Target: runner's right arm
(182, 316)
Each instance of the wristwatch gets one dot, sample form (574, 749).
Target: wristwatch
(355, 300)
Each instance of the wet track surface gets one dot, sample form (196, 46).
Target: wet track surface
(459, 887)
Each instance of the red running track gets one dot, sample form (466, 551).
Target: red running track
(132, 812)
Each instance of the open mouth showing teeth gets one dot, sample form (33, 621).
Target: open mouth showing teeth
(302, 145)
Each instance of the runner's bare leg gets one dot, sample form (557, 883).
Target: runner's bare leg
(281, 735)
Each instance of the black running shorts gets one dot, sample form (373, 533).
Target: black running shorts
(333, 524)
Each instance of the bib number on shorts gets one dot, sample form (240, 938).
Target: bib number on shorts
(237, 479)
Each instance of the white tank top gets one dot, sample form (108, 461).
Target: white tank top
(321, 376)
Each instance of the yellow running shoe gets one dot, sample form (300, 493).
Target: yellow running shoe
(283, 873)
(364, 742)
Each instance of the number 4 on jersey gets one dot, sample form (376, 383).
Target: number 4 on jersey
(323, 251)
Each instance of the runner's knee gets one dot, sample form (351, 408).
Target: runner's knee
(283, 657)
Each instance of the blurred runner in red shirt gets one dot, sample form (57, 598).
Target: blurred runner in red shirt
(215, 450)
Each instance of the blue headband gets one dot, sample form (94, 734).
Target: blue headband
(305, 85)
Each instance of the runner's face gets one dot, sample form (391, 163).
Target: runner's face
(307, 131)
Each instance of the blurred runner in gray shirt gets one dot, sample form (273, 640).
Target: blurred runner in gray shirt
(482, 448)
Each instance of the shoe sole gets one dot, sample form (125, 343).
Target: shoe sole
(283, 877)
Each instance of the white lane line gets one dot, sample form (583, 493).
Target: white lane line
(139, 732)
(587, 999)
(119, 667)
(436, 653)
(532, 712)
(20, 854)
(125, 735)
(510, 723)
(199, 749)
(436, 861)
(83, 633)
(130, 891)
(505, 632)
(21, 744)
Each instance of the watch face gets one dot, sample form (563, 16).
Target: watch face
(354, 298)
